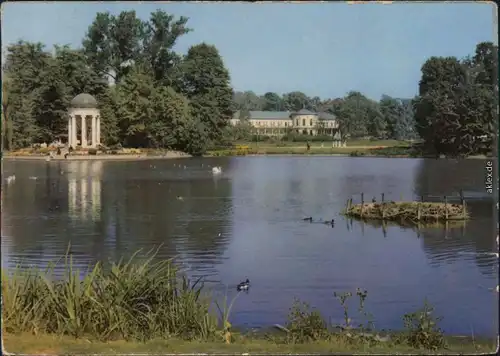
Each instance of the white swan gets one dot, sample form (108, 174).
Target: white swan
(216, 170)
(11, 179)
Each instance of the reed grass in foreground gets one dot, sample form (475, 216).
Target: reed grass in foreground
(147, 306)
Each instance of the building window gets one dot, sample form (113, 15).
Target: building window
(311, 122)
(303, 122)
(285, 124)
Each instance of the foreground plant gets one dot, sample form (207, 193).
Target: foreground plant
(422, 330)
(129, 301)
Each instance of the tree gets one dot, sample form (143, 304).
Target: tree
(405, 125)
(206, 83)
(247, 101)
(455, 110)
(79, 77)
(112, 43)
(25, 67)
(50, 101)
(160, 36)
(173, 119)
(296, 100)
(392, 112)
(242, 131)
(135, 109)
(486, 61)
(7, 102)
(272, 102)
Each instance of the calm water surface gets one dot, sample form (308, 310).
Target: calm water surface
(248, 223)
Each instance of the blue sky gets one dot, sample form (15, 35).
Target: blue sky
(323, 49)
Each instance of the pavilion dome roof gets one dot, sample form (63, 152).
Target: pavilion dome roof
(84, 101)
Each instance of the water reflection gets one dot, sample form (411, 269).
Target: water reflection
(84, 190)
(248, 222)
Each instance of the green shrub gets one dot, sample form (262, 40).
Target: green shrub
(305, 324)
(356, 154)
(92, 151)
(422, 330)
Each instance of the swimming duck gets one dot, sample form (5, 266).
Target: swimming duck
(329, 222)
(310, 219)
(179, 197)
(243, 285)
(216, 170)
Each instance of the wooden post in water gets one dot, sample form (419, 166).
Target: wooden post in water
(462, 200)
(446, 207)
(362, 203)
(421, 198)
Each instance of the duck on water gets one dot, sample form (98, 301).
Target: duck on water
(243, 285)
(326, 222)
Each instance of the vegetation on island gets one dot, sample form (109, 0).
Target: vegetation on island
(144, 304)
(408, 212)
(162, 99)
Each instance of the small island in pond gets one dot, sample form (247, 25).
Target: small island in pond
(417, 212)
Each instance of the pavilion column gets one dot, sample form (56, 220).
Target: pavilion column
(70, 131)
(74, 140)
(94, 133)
(98, 126)
(84, 131)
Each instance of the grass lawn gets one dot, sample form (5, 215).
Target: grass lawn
(48, 344)
(327, 144)
(355, 147)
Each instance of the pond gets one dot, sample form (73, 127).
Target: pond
(248, 223)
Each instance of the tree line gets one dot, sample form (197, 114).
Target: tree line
(358, 116)
(163, 99)
(160, 98)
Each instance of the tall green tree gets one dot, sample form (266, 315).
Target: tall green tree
(112, 43)
(273, 102)
(25, 66)
(247, 101)
(206, 83)
(161, 33)
(455, 110)
(296, 100)
(135, 109)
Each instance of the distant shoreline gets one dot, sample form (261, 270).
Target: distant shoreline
(144, 157)
(104, 157)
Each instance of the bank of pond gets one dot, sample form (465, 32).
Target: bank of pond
(140, 300)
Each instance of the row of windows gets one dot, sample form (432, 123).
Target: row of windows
(285, 124)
